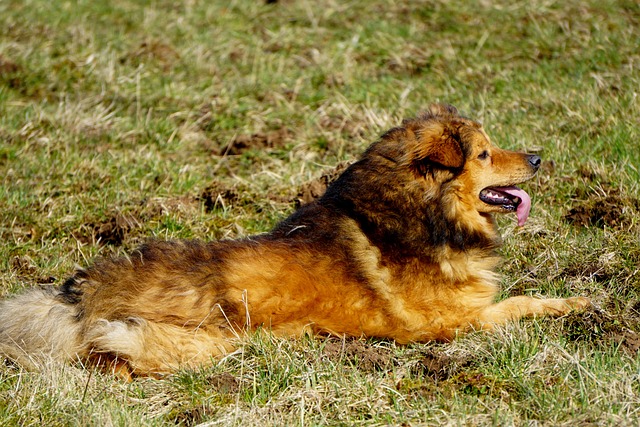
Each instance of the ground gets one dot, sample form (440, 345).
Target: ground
(125, 120)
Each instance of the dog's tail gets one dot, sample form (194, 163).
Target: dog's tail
(38, 325)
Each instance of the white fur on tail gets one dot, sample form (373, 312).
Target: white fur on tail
(36, 325)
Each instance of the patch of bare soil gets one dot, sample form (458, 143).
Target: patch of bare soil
(595, 271)
(8, 67)
(216, 195)
(112, 231)
(597, 325)
(156, 207)
(152, 50)
(613, 211)
(440, 366)
(224, 383)
(257, 141)
(10, 73)
(456, 371)
(589, 173)
(361, 354)
(347, 127)
(25, 269)
(315, 188)
(412, 61)
(188, 415)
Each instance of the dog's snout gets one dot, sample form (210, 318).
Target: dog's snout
(534, 160)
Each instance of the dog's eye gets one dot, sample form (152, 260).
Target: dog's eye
(483, 155)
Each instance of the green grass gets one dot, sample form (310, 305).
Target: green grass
(114, 120)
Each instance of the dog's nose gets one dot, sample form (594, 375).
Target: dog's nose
(534, 160)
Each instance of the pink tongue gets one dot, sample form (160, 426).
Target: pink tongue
(525, 203)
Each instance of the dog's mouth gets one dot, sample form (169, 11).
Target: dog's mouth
(511, 199)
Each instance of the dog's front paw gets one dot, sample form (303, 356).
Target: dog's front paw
(578, 303)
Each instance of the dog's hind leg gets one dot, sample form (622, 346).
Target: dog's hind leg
(515, 308)
(151, 348)
(111, 364)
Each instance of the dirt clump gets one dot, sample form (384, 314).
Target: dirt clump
(111, 231)
(186, 415)
(216, 195)
(359, 353)
(613, 211)
(8, 67)
(589, 173)
(23, 266)
(350, 128)
(156, 207)
(595, 271)
(439, 365)
(257, 141)
(12, 74)
(224, 383)
(25, 269)
(597, 325)
(315, 188)
(152, 51)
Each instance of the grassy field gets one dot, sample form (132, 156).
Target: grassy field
(123, 120)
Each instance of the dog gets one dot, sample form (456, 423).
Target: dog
(402, 245)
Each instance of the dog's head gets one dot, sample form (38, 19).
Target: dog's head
(447, 147)
(435, 179)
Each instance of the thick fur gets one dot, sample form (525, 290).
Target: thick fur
(400, 246)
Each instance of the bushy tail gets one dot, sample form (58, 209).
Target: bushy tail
(37, 326)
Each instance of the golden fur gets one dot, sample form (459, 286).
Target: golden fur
(400, 246)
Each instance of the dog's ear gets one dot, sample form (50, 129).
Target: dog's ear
(446, 152)
(437, 146)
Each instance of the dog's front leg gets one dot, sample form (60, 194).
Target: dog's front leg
(515, 308)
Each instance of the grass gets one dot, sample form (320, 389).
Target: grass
(122, 120)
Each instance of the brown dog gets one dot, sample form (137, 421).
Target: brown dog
(401, 245)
